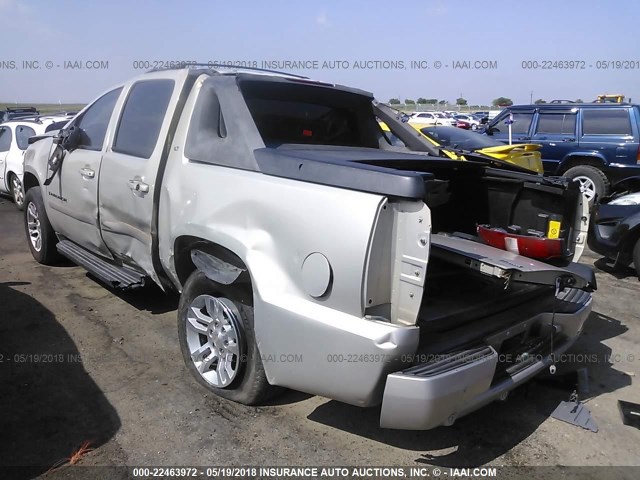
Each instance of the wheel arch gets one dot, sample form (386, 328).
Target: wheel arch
(216, 261)
(630, 240)
(29, 180)
(574, 160)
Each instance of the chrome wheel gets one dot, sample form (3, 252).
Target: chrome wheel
(214, 339)
(33, 224)
(18, 193)
(587, 186)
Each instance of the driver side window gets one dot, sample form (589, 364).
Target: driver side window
(95, 120)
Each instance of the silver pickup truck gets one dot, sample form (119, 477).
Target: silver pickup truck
(309, 252)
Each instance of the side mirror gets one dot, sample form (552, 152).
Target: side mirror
(68, 138)
(490, 130)
(55, 162)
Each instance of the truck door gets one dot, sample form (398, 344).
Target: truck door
(5, 146)
(72, 195)
(129, 171)
(555, 130)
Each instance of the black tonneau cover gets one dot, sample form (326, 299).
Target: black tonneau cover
(344, 167)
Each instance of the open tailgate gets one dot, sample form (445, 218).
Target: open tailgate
(508, 266)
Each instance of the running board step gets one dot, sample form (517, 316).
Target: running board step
(121, 278)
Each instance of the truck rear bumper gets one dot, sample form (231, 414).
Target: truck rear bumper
(452, 385)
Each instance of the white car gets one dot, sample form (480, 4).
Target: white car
(431, 118)
(14, 140)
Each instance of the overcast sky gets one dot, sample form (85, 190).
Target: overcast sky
(505, 32)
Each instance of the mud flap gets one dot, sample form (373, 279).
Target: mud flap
(575, 413)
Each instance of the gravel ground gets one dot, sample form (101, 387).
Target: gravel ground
(83, 363)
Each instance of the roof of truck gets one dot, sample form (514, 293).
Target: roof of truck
(258, 74)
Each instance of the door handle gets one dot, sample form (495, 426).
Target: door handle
(87, 172)
(138, 186)
(568, 139)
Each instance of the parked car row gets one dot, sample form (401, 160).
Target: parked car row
(431, 118)
(14, 140)
(470, 121)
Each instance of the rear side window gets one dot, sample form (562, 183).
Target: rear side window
(22, 136)
(606, 121)
(142, 117)
(5, 139)
(556, 123)
(95, 120)
(520, 125)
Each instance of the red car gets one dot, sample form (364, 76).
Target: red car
(463, 124)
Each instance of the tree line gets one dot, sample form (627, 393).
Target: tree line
(497, 102)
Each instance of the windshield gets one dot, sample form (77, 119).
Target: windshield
(460, 139)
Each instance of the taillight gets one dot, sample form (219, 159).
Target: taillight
(526, 245)
(638, 155)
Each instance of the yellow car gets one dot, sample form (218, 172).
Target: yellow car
(454, 142)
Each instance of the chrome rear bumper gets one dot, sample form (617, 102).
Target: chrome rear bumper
(448, 387)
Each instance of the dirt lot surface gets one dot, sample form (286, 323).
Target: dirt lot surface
(83, 363)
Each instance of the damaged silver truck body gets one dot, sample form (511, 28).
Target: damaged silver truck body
(309, 252)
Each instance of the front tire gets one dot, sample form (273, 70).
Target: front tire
(217, 340)
(41, 238)
(593, 182)
(17, 192)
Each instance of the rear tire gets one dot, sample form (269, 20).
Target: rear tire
(41, 238)
(593, 181)
(17, 191)
(217, 340)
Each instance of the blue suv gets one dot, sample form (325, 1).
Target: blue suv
(594, 143)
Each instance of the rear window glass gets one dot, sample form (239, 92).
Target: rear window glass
(556, 123)
(606, 121)
(291, 113)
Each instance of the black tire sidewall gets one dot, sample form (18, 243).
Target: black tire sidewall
(636, 257)
(250, 385)
(596, 175)
(15, 201)
(48, 255)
